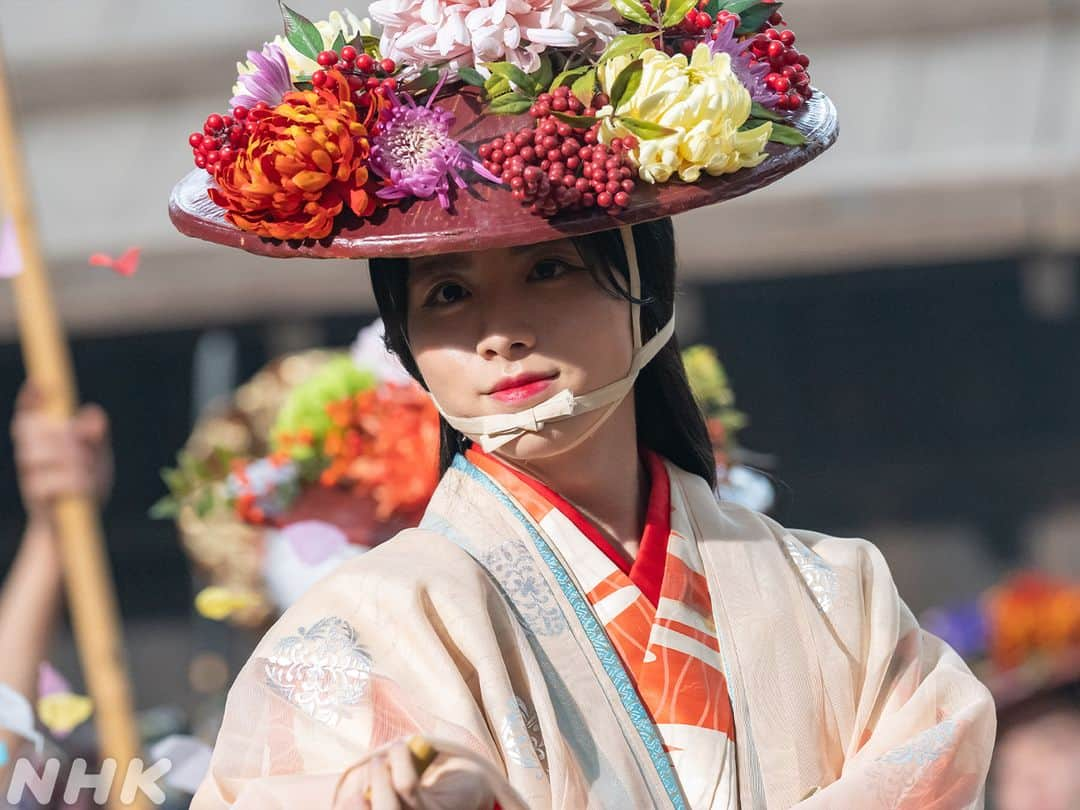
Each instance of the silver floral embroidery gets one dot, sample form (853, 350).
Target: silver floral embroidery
(515, 570)
(520, 734)
(927, 747)
(817, 573)
(322, 669)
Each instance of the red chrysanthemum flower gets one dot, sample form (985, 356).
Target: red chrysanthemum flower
(305, 160)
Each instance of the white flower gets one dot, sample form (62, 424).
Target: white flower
(462, 33)
(369, 353)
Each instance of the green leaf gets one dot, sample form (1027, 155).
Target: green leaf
(627, 45)
(339, 43)
(626, 83)
(471, 76)
(645, 129)
(174, 479)
(510, 104)
(301, 32)
(740, 6)
(584, 87)
(542, 77)
(205, 502)
(634, 11)
(756, 17)
(367, 44)
(712, 7)
(166, 508)
(518, 77)
(759, 110)
(427, 79)
(675, 10)
(577, 121)
(495, 86)
(789, 136)
(567, 76)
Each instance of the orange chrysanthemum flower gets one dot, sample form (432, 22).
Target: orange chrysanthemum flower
(304, 161)
(385, 443)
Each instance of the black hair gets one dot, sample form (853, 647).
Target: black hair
(669, 421)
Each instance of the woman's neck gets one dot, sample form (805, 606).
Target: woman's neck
(603, 477)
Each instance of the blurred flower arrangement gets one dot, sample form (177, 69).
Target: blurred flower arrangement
(1019, 636)
(712, 392)
(351, 457)
(329, 120)
(341, 429)
(736, 480)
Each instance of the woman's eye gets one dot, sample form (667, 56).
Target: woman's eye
(550, 268)
(444, 294)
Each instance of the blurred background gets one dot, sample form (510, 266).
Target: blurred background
(899, 319)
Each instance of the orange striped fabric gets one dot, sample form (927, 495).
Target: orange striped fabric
(670, 649)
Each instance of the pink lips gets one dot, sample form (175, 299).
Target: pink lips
(517, 389)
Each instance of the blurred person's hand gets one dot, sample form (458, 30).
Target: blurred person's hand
(58, 458)
(389, 781)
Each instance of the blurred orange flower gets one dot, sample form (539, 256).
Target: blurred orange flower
(385, 443)
(1032, 614)
(305, 160)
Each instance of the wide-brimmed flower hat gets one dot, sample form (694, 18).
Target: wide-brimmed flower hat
(464, 126)
(319, 457)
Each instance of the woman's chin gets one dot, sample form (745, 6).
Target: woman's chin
(550, 441)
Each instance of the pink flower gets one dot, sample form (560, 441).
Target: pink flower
(460, 33)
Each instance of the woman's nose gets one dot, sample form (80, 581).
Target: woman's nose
(510, 342)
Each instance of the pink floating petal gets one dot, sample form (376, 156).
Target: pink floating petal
(314, 541)
(10, 255)
(126, 265)
(50, 682)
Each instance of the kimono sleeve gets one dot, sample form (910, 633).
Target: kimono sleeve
(925, 726)
(366, 658)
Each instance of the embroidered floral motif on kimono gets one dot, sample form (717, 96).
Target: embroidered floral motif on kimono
(514, 568)
(322, 669)
(819, 577)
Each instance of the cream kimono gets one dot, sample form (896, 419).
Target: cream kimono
(476, 631)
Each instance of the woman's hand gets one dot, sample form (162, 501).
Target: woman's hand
(58, 458)
(390, 781)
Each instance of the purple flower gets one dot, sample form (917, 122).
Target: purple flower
(415, 152)
(964, 627)
(752, 74)
(265, 77)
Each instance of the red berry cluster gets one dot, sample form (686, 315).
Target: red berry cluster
(788, 77)
(361, 70)
(554, 166)
(222, 137)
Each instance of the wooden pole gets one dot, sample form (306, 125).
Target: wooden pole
(91, 598)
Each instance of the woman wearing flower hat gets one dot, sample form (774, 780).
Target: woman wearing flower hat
(577, 622)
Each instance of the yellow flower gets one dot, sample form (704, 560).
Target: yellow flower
(702, 100)
(218, 603)
(63, 712)
(339, 22)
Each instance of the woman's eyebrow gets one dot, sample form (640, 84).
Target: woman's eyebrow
(447, 263)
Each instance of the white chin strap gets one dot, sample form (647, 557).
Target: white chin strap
(492, 432)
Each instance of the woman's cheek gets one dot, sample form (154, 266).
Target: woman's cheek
(446, 375)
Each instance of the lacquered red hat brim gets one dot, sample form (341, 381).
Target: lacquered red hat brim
(485, 216)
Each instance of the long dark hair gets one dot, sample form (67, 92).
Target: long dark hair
(668, 419)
